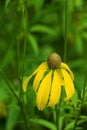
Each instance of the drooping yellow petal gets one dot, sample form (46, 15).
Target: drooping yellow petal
(55, 90)
(65, 66)
(42, 66)
(39, 77)
(26, 81)
(61, 76)
(44, 91)
(68, 84)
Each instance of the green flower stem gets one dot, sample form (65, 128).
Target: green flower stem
(22, 104)
(24, 115)
(18, 56)
(65, 51)
(24, 15)
(65, 29)
(24, 52)
(23, 61)
(57, 116)
(79, 111)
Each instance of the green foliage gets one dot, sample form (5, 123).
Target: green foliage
(40, 25)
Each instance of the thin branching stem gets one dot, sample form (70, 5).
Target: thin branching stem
(65, 51)
(81, 104)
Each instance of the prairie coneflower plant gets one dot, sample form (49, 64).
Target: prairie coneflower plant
(49, 79)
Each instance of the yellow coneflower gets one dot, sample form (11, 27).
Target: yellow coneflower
(50, 76)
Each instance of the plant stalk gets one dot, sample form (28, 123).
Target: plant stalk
(24, 116)
(57, 116)
(18, 56)
(65, 29)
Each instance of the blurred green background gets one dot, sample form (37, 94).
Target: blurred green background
(39, 23)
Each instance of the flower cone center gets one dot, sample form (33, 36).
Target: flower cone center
(54, 61)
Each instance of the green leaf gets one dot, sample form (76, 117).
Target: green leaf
(69, 126)
(79, 44)
(79, 80)
(44, 123)
(82, 121)
(79, 128)
(75, 99)
(7, 3)
(78, 3)
(84, 35)
(33, 42)
(12, 117)
(37, 4)
(42, 29)
(78, 63)
(83, 117)
(3, 90)
(83, 24)
(61, 121)
(30, 101)
(8, 57)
